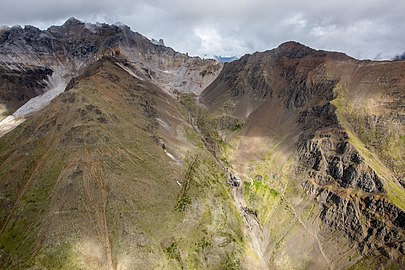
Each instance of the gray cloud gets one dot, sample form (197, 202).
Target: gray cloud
(372, 29)
(399, 57)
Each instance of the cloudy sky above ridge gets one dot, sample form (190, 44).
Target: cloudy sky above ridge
(372, 29)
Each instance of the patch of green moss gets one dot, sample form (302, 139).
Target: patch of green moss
(237, 127)
(183, 202)
(204, 243)
(173, 252)
(261, 199)
(231, 263)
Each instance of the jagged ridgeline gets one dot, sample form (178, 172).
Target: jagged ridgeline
(119, 153)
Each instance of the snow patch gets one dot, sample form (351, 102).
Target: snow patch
(170, 155)
(9, 123)
(163, 124)
(56, 86)
(127, 69)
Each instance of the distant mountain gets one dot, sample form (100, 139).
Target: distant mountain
(399, 57)
(128, 155)
(224, 59)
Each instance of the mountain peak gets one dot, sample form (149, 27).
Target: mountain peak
(293, 49)
(72, 21)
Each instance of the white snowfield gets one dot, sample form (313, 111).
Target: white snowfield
(56, 86)
(9, 123)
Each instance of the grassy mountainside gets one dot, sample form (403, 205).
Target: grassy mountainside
(111, 176)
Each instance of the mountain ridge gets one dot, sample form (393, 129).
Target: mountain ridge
(69, 48)
(288, 158)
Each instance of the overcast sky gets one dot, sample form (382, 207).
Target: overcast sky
(373, 29)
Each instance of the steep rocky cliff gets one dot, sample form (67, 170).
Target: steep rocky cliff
(75, 44)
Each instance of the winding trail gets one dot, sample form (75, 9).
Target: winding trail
(311, 233)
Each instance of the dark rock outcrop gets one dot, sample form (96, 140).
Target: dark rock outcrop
(18, 84)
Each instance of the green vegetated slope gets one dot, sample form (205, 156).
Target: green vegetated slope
(111, 176)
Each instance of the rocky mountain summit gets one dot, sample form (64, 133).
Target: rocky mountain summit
(64, 51)
(129, 155)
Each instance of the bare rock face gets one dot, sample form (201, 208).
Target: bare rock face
(339, 174)
(369, 220)
(375, 224)
(20, 84)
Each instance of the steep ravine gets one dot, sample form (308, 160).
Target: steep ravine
(252, 228)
